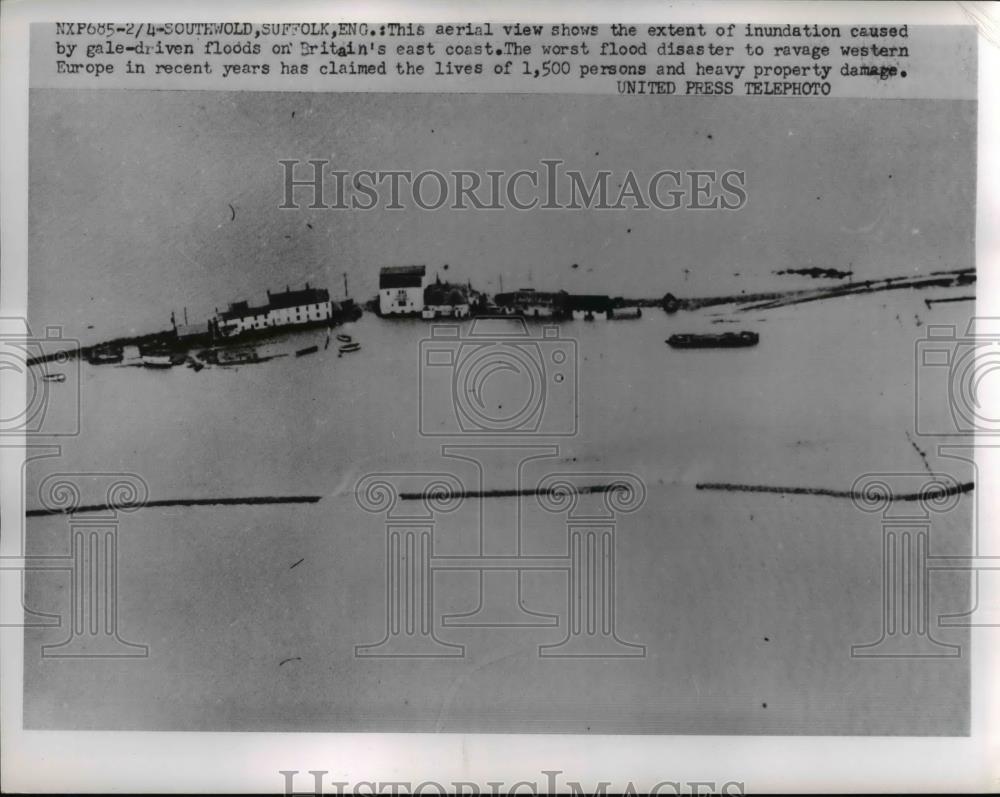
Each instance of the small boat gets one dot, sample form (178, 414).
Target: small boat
(307, 350)
(726, 340)
(157, 361)
(104, 357)
(54, 377)
(347, 348)
(226, 357)
(344, 338)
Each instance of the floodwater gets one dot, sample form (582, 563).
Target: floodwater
(747, 603)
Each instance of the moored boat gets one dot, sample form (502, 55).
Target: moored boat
(54, 377)
(104, 356)
(724, 340)
(226, 357)
(347, 348)
(307, 350)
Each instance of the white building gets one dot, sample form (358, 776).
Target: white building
(530, 303)
(288, 308)
(401, 290)
(432, 311)
(299, 307)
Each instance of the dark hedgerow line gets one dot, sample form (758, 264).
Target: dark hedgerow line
(249, 501)
(926, 495)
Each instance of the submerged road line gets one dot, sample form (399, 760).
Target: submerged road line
(249, 501)
(942, 492)
(447, 495)
(932, 494)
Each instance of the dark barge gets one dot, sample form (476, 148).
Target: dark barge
(724, 340)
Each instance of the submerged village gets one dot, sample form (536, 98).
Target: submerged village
(230, 337)
(227, 337)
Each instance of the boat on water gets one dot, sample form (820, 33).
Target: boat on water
(157, 361)
(248, 359)
(307, 350)
(224, 357)
(347, 348)
(104, 357)
(724, 340)
(344, 338)
(54, 378)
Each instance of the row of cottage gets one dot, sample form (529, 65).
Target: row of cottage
(284, 308)
(403, 290)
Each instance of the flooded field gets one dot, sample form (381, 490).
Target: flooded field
(747, 603)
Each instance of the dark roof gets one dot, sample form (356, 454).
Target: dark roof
(277, 301)
(529, 296)
(589, 302)
(446, 293)
(242, 310)
(188, 330)
(401, 276)
(290, 298)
